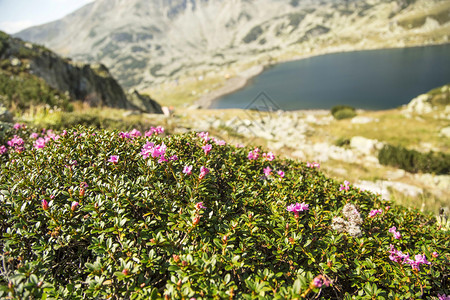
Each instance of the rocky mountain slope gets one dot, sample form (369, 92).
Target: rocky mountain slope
(148, 42)
(92, 83)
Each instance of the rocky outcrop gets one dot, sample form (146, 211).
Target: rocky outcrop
(144, 103)
(89, 83)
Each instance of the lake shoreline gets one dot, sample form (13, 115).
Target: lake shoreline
(244, 78)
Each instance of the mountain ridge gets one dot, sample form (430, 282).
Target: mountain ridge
(149, 42)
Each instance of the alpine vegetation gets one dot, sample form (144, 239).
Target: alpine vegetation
(96, 214)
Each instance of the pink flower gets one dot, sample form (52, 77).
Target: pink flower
(187, 170)
(16, 141)
(64, 133)
(435, 254)
(204, 136)
(220, 142)
(44, 204)
(203, 172)
(313, 165)
(124, 135)
(281, 173)
(3, 149)
(374, 212)
(267, 171)
(114, 159)
(345, 186)
(239, 146)
(153, 130)
(397, 235)
(154, 151)
(269, 156)
(319, 281)
(135, 133)
(298, 207)
(443, 297)
(162, 159)
(392, 229)
(207, 148)
(74, 205)
(34, 135)
(253, 155)
(39, 143)
(199, 205)
(173, 157)
(18, 126)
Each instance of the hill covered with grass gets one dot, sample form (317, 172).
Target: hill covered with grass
(128, 215)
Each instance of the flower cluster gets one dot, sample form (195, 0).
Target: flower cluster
(297, 207)
(320, 281)
(268, 156)
(397, 235)
(203, 172)
(313, 165)
(351, 224)
(207, 148)
(187, 170)
(375, 212)
(443, 297)
(204, 136)
(154, 131)
(402, 258)
(254, 155)
(114, 159)
(345, 186)
(17, 143)
(156, 151)
(3, 149)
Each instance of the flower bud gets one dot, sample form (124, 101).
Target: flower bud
(74, 205)
(44, 204)
(125, 272)
(195, 220)
(176, 258)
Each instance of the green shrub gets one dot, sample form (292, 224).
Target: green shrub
(340, 112)
(414, 161)
(253, 34)
(342, 142)
(22, 90)
(79, 223)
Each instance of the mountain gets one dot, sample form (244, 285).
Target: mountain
(146, 42)
(53, 80)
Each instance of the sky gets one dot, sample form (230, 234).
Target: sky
(16, 15)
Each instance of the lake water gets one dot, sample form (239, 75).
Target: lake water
(372, 80)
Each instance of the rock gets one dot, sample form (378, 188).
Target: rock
(364, 145)
(420, 105)
(445, 132)
(361, 120)
(374, 187)
(144, 103)
(396, 174)
(5, 115)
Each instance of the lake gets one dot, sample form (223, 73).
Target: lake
(372, 80)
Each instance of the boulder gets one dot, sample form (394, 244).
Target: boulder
(420, 105)
(144, 103)
(364, 145)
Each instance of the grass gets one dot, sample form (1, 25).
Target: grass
(394, 128)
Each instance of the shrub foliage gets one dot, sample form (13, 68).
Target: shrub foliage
(99, 214)
(340, 112)
(414, 161)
